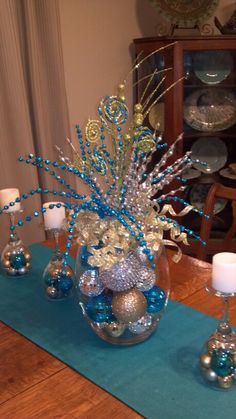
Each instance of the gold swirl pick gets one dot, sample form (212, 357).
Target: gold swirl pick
(92, 130)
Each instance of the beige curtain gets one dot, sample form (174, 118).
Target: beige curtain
(33, 106)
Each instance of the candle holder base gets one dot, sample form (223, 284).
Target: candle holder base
(218, 358)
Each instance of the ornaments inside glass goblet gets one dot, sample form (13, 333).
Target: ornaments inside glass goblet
(16, 257)
(58, 280)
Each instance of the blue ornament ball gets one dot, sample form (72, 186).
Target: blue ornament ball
(222, 363)
(17, 260)
(156, 298)
(65, 283)
(99, 308)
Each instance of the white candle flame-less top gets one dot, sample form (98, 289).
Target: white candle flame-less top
(224, 272)
(7, 196)
(53, 217)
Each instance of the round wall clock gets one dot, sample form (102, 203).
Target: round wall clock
(186, 13)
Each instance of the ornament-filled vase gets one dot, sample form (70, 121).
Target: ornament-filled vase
(123, 304)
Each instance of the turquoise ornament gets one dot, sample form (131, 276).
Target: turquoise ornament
(99, 309)
(17, 260)
(222, 363)
(156, 299)
(65, 283)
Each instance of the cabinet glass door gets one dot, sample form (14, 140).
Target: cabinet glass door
(209, 125)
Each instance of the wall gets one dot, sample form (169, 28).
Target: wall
(97, 46)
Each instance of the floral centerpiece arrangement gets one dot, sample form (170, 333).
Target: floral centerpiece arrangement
(121, 225)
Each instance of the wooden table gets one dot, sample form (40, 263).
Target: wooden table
(34, 384)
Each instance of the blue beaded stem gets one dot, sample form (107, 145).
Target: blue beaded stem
(76, 172)
(40, 163)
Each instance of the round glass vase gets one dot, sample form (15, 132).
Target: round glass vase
(124, 304)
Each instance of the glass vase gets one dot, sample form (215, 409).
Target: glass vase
(58, 281)
(123, 304)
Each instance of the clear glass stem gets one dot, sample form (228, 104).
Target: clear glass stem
(225, 316)
(12, 218)
(13, 235)
(224, 326)
(57, 252)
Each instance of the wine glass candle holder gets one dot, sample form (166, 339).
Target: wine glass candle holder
(218, 359)
(15, 257)
(58, 280)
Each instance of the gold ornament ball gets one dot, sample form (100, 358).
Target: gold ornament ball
(225, 382)
(27, 256)
(6, 263)
(129, 306)
(138, 108)
(212, 344)
(205, 360)
(115, 329)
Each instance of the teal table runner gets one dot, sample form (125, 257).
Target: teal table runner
(159, 378)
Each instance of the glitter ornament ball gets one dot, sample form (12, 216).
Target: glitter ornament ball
(147, 278)
(122, 276)
(129, 306)
(141, 325)
(90, 283)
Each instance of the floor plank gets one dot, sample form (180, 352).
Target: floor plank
(65, 394)
(23, 364)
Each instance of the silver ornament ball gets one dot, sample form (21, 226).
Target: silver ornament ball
(147, 279)
(141, 325)
(90, 283)
(209, 374)
(123, 275)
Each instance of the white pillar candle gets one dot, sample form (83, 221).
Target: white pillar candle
(224, 272)
(53, 217)
(7, 196)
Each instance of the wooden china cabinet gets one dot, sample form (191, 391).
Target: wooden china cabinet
(202, 106)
